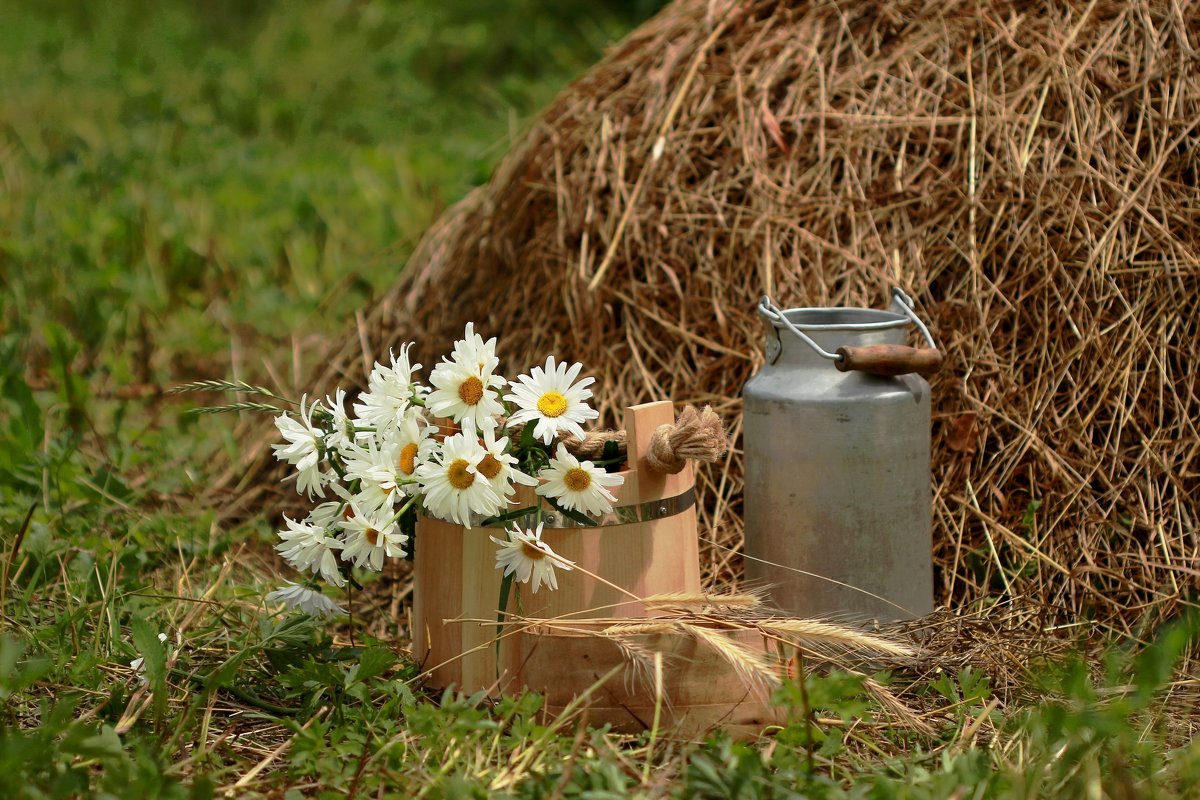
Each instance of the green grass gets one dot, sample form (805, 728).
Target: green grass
(187, 195)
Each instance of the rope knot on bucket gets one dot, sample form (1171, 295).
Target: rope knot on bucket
(695, 436)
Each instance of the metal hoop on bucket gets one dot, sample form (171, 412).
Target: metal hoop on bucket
(620, 515)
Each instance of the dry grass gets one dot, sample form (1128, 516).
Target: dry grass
(1027, 171)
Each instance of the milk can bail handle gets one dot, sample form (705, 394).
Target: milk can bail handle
(899, 298)
(883, 359)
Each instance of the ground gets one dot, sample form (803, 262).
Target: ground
(213, 195)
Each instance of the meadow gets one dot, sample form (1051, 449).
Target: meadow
(216, 194)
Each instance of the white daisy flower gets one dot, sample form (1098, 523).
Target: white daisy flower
(303, 448)
(389, 392)
(369, 536)
(309, 548)
(377, 468)
(498, 466)
(465, 387)
(307, 600)
(552, 398)
(329, 513)
(387, 466)
(452, 486)
(414, 443)
(341, 428)
(526, 556)
(578, 486)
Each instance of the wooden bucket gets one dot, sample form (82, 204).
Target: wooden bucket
(457, 586)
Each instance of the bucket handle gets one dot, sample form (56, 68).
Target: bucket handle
(879, 359)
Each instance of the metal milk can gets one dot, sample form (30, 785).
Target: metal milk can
(836, 435)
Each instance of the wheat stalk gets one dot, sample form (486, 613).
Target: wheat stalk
(225, 386)
(753, 666)
(248, 406)
(896, 707)
(684, 599)
(639, 661)
(638, 628)
(811, 631)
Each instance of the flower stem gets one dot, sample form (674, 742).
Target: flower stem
(404, 508)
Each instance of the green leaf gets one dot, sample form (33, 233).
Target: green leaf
(611, 457)
(27, 425)
(154, 655)
(508, 516)
(17, 672)
(99, 745)
(1030, 515)
(223, 675)
(577, 516)
(294, 630)
(74, 388)
(505, 588)
(527, 439)
(373, 661)
(1154, 666)
(145, 639)
(408, 527)
(104, 483)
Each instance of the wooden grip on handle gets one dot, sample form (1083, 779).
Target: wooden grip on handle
(890, 359)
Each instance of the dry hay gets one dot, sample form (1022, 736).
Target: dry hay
(1028, 172)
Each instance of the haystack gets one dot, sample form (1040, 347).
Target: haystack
(1027, 171)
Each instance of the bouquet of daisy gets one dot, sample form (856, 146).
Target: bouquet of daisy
(454, 449)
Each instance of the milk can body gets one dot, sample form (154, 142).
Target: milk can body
(837, 493)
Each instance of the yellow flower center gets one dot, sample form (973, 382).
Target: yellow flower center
(552, 404)
(372, 536)
(408, 458)
(577, 479)
(470, 391)
(489, 467)
(460, 477)
(532, 551)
